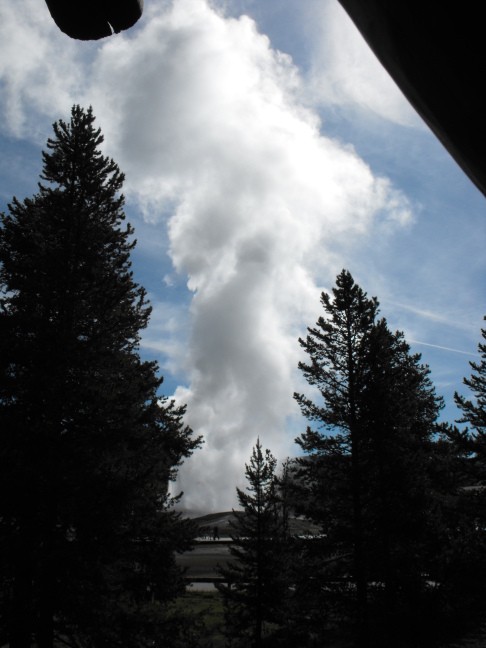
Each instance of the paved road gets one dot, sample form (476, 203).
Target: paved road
(202, 561)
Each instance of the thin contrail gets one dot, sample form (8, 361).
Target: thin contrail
(436, 318)
(436, 346)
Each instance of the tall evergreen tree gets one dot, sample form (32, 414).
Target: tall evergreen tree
(253, 590)
(474, 412)
(337, 370)
(364, 479)
(457, 551)
(472, 442)
(88, 446)
(399, 410)
(464, 566)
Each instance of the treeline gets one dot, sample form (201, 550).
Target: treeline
(88, 533)
(400, 500)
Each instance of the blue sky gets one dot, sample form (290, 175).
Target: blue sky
(264, 149)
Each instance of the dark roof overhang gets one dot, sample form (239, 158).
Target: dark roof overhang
(436, 55)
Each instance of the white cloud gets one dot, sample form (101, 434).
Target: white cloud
(204, 117)
(40, 68)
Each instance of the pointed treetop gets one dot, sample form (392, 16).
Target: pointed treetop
(474, 412)
(74, 160)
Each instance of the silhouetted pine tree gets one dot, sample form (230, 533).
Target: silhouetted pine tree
(337, 370)
(461, 565)
(474, 411)
(365, 479)
(254, 586)
(88, 446)
(398, 413)
(457, 549)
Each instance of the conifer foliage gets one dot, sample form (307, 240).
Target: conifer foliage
(254, 587)
(337, 369)
(87, 446)
(467, 557)
(474, 412)
(364, 478)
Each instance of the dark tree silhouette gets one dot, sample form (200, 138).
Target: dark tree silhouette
(461, 565)
(364, 479)
(254, 586)
(337, 370)
(88, 445)
(474, 412)
(399, 410)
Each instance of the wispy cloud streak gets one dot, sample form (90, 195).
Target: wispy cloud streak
(436, 317)
(443, 348)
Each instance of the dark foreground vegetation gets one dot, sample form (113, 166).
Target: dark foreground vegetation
(88, 534)
(205, 610)
(400, 501)
(88, 444)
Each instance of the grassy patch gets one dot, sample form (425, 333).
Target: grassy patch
(208, 607)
